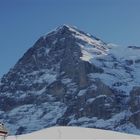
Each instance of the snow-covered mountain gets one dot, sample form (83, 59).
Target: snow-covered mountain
(71, 78)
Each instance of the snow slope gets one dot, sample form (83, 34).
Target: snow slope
(73, 133)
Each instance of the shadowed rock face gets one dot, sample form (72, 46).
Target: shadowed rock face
(135, 99)
(135, 119)
(135, 106)
(52, 85)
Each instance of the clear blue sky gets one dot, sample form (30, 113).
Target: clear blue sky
(22, 22)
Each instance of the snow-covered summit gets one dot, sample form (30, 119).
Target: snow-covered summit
(76, 77)
(90, 45)
(75, 32)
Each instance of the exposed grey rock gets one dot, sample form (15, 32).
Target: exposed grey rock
(135, 119)
(135, 106)
(135, 99)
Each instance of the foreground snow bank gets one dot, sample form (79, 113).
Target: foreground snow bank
(73, 133)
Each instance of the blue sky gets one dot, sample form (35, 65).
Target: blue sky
(22, 22)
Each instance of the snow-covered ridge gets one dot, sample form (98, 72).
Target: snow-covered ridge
(91, 40)
(91, 46)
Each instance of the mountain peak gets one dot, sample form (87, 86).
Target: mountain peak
(65, 27)
(73, 76)
(62, 29)
(65, 31)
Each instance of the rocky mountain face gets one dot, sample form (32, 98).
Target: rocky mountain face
(71, 78)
